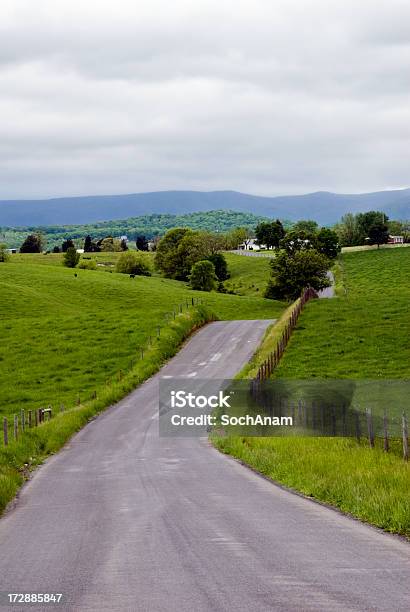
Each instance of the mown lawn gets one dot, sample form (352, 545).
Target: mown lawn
(362, 334)
(65, 336)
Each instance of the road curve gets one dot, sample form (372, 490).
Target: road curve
(123, 520)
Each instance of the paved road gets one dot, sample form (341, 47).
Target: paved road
(329, 292)
(123, 520)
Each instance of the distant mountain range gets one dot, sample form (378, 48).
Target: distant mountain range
(324, 207)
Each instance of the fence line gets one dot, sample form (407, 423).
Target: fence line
(266, 368)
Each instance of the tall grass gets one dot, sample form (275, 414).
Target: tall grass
(366, 483)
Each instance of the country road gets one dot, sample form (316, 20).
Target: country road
(124, 520)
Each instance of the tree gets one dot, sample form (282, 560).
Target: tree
(124, 245)
(67, 244)
(130, 262)
(56, 249)
(366, 220)
(110, 245)
(306, 226)
(220, 265)
(213, 242)
(71, 258)
(270, 233)
(348, 231)
(32, 244)
(235, 237)
(4, 255)
(193, 247)
(291, 274)
(328, 243)
(296, 240)
(203, 276)
(168, 259)
(378, 234)
(88, 244)
(181, 248)
(141, 243)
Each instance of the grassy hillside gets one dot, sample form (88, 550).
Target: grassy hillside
(249, 275)
(64, 336)
(363, 333)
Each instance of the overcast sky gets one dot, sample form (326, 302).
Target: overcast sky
(261, 96)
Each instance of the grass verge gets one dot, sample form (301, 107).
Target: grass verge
(366, 483)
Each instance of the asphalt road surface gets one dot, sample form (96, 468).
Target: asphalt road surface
(122, 519)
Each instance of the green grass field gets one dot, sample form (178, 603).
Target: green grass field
(249, 275)
(362, 334)
(65, 336)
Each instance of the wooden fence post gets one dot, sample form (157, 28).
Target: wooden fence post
(370, 430)
(16, 426)
(5, 431)
(357, 425)
(30, 419)
(405, 438)
(23, 420)
(344, 430)
(385, 432)
(36, 417)
(333, 422)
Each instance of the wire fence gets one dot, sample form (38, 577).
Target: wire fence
(267, 367)
(337, 419)
(322, 419)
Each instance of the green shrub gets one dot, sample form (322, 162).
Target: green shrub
(221, 267)
(71, 258)
(203, 277)
(4, 256)
(88, 264)
(131, 262)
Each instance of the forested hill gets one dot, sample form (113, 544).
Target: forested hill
(148, 225)
(325, 208)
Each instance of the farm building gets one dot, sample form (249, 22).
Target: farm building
(251, 244)
(396, 240)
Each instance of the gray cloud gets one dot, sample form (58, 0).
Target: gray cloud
(266, 97)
